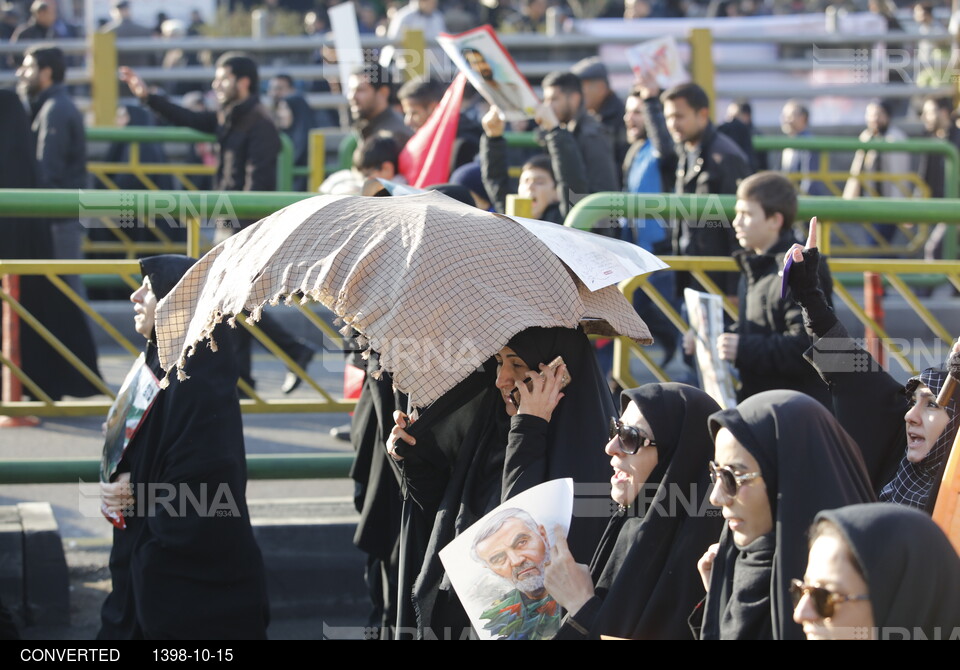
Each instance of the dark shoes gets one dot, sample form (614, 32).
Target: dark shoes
(291, 381)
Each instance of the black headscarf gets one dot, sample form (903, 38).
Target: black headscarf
(300, 126)
(645, 567)
(917, 484)
(188, 575)
(911, 569)
(809, 463)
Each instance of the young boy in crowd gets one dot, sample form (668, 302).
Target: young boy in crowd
(767, 343)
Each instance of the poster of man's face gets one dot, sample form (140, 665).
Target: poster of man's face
(480, 56)
(498, 565)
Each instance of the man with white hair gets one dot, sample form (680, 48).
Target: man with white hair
(513, 546)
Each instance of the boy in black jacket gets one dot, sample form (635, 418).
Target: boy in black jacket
(767, 344)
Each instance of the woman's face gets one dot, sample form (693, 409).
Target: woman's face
(829, 567)
(747, 513)
(631, 471)
(511, 370)
(144, 308)
(925, 422)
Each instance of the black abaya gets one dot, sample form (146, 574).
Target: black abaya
(180, 572)
(645, 566)
(809, 464)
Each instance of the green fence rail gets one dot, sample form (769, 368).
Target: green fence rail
(259, 466)
(188, 135)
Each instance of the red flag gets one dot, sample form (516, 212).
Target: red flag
(425, 160)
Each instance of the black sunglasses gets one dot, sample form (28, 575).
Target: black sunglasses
(631, 439)
(824, 600)
(730, 481)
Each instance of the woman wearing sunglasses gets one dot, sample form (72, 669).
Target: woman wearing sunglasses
(780, 458)
(880, 414)
(641, 583)
(878, 571)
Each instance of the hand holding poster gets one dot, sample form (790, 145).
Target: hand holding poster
(497, 565)
(705, 312)
(661, 58)
(134, 400)
(490, 69)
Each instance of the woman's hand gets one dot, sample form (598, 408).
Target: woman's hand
(545, 394)
(117, 496)
(400, 421)
(797, 251)
(705, 564)
(567, 581)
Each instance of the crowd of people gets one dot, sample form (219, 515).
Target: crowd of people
(792, 540)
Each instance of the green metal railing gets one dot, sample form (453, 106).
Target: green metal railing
(137, 134)
(266, 466)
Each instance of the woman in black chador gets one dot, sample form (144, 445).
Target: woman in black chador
(640, 583)
(183, 569)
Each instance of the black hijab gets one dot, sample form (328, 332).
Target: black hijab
(809, 463)
(911, 569)
(645, 567)
(300, 126)
(188, 575)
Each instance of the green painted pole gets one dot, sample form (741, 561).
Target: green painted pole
(272, 466)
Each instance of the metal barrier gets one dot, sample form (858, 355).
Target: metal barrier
(915, 237)
(266, 466)
(588, 212)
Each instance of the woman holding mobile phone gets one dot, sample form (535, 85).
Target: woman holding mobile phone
(507, 448)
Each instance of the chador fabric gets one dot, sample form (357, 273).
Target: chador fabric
(911, 569)
(406, 272)
(187, 567)
(868, 402)
(643, 568)
(499, 456)
(808, 464)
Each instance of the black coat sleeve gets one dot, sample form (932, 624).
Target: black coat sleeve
(569, 169)
(493, 170)
(780, 352)
(205, 122)
(867, 401)
(263, 147)
(525, 464)
(599, 164)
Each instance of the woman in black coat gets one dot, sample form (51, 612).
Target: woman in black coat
(183, 570)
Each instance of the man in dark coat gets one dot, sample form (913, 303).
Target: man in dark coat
(59, 138)
(186, 564)
(369, 91)
(602, 102)
(548, 180)
(705, 162)
(249, 143)
(563, 93)
(769, 340)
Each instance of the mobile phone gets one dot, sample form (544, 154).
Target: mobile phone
(552, 365)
